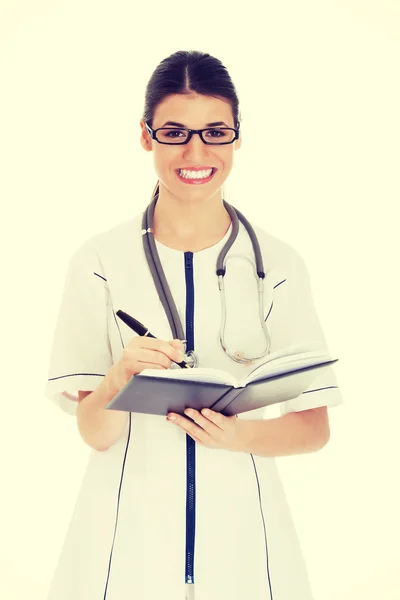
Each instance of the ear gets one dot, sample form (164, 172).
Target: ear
(238, 142)
(145, 138)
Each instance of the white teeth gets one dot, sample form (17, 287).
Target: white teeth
(195, 174)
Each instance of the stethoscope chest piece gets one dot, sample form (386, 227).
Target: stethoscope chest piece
(239, 357)
(191, 359)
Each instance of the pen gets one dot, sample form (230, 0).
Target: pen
(142, 330)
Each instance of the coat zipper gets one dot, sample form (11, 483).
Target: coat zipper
(190, 443)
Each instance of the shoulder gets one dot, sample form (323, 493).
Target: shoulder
(114, 242)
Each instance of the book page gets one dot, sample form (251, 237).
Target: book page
(201, 374)
(283, 363)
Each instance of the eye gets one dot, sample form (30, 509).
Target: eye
(221, 132)
(173, 131)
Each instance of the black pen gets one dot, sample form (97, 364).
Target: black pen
(142, 330)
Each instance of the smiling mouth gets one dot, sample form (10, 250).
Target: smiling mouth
(196, 179)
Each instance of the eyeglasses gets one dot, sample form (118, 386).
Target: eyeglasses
(174, 136)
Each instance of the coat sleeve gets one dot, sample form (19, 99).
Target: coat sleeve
(81, 354)
(295, 321)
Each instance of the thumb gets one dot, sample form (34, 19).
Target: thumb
(180, 344)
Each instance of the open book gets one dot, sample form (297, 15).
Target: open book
(282, 376)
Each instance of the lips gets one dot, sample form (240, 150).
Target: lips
(195, 168)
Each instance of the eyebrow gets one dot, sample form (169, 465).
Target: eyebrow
(214, 124)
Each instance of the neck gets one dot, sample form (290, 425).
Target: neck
(190, 225)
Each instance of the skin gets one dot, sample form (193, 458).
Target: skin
(211, 429)
(188, 215)
(192, 217)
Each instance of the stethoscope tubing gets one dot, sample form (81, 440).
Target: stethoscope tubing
(160, 281)
(164, 291)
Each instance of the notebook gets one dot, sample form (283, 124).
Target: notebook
(283, 375)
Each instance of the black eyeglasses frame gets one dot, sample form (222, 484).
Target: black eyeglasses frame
(153, 132)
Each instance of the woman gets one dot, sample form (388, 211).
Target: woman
(191, 507)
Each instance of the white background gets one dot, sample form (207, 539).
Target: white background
(318, 84)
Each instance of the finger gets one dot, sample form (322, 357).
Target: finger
(179, 349)
(157, 344)
(216, 418)
(202, 421)
(189, 427)
(173, 353)
(180, 344)
(154, 357)
(195, 439)
(144, 365)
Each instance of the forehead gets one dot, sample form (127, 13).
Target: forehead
(194, 110)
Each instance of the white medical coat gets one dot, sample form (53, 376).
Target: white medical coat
(126, 540)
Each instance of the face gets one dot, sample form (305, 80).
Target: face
(194, 112)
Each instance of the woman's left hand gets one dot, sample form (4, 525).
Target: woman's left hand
(210, 428)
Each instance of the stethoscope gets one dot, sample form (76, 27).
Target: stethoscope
(164, 291)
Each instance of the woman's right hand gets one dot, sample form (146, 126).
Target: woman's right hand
(141, 353)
